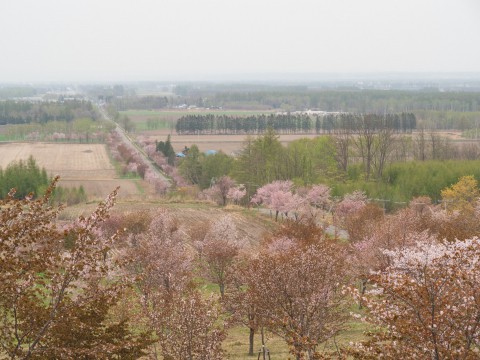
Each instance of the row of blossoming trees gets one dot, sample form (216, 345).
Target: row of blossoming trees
(133, 163)
(85, 290)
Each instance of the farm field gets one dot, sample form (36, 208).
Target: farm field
(77, 164)
(234, 143)
(226, 143)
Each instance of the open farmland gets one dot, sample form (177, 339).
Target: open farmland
(77, 164)
(226, 143)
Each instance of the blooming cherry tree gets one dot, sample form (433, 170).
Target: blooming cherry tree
(351, 203)
(220, 248)
(278, 196)
(58, 286)
(428, 300)
(237, 193)
(297, 294)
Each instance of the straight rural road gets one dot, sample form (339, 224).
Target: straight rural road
(138, 150)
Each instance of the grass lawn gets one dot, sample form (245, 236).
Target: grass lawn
(236, 343)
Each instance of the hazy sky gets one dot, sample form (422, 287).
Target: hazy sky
(179, 39)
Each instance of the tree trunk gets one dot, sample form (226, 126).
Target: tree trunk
(363, 288)
(264, 357)
(250, 343)
(222, 289)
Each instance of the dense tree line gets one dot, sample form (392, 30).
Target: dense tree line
(434, 109)
(22, 112)
(77, 130)
(224, 124)
(292, 123)
(297, 98)
(399, 123)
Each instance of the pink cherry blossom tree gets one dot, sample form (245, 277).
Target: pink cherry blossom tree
(218, 192)
(427, 300)
(317, 201)
(237, 193)
(221, 246)
(351, 203)
(297, 294)
(278, 196)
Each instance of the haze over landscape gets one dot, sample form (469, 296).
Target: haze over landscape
(237, 180)
(54, 40)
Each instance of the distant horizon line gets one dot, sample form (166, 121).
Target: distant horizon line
(255, 77)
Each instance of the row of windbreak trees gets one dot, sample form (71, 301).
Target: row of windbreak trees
(77, 130)
(62, 121)
(24, 112)
(293, 123)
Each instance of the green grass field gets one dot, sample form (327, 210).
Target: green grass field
(236, 343)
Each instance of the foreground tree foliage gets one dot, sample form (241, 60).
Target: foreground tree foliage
(83, 291)
(219, 251)
(57, 286)
(420, 279)
(428, 302)
(186, 325)
(295, 284)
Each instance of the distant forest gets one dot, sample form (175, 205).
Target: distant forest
(292, 124)
(357, 101)
(346, 100)
(434, 109)
(302, 98)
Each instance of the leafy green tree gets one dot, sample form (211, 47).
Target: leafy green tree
(83, 126)
(166, 149)
(261, 160)
(191, 166)
(310, 161)
(25, 176)
(127, 123)
(214, 167)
